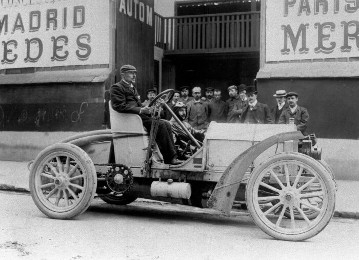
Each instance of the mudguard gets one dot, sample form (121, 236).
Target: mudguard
(88, 137)
(225, 191)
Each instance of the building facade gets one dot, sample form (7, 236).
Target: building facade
(58, 59)
(311, 47)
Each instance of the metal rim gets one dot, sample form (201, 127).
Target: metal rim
(286, 186)
(61, 181)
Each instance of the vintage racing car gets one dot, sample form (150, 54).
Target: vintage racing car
(290, 195)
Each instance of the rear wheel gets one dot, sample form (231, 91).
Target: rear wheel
(63, 181)
(290, 180)
(118, 199)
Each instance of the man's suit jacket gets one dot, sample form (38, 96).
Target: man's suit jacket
(300, 115)
(261, 112)
(275, 112)
(124, 98)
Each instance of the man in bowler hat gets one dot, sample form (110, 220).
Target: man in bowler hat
(298, 114)
(124, 99)
(255, 112)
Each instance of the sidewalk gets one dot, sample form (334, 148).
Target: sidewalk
(15, 176)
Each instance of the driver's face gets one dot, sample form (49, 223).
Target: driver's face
(151, 96)
(130, 76)
(182, 113)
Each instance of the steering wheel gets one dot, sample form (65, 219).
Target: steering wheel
(165, 95)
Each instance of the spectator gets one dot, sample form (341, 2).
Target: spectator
(276, 111)
(209, 95)
(197, 110)
(218, 109)
(255, 112)
(243, 100)
(234, 106)
(298, 114)
(151, 94)
(171, 104)
(184, 95)
(242, 94)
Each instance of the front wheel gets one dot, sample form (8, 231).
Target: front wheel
(282, 186)
(63, 181)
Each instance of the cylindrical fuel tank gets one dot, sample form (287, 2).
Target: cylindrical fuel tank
(179, 190)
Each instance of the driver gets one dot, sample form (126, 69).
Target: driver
(124, 99)
(180, 110)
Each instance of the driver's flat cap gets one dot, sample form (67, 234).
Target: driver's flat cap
(126, 68)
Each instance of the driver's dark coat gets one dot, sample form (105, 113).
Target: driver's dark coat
(124, 98)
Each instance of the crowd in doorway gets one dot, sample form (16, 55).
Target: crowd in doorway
(189, 116)
(242, 106)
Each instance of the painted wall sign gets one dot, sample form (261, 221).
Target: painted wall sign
(48, 33)
(311, 29)
(138, 10)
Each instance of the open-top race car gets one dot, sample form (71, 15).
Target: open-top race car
(290, 195)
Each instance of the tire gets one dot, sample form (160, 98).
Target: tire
(118, 200)
(63, 181)
(307, 179)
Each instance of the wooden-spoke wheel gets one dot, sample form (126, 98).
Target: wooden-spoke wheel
(291, 196)
(63, 181)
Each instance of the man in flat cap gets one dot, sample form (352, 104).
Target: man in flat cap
(234, 105)
(276, 111)
(151, 94)
(255, 112)
(197, 110)
(209, 95)
(184, 95)
(295, 113)
(124, 99)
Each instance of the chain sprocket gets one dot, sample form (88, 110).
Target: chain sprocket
(119, 178)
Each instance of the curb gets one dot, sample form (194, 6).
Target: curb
(346, 214)
(11, 188)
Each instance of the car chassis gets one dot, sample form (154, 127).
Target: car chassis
(290, 195)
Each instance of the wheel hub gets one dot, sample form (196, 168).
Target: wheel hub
(288, 197)
(61, 181)
(118, 179)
